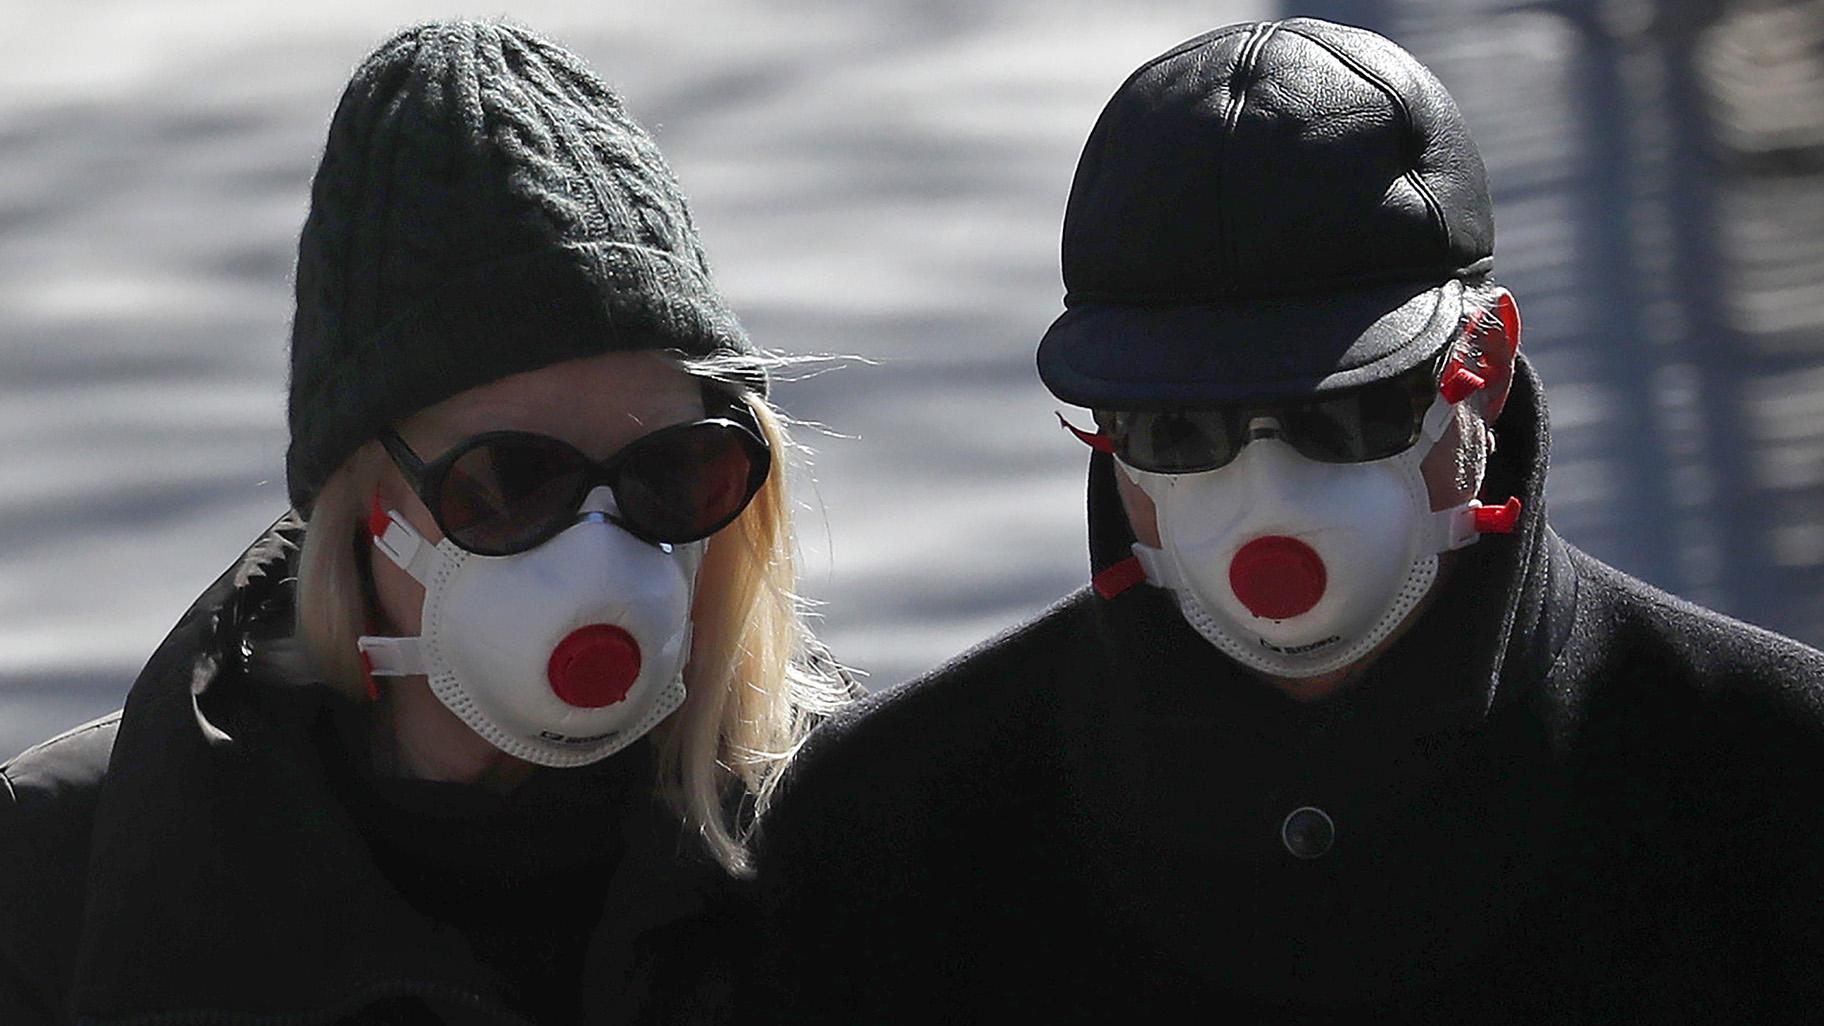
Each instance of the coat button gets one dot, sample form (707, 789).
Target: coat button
(1308, 832)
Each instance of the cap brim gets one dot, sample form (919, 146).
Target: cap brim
(1110, 356)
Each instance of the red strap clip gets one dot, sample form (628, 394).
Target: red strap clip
(1460, 383)
(1498, 519)
(377, 520)
(1116, 579)
(1096, 440)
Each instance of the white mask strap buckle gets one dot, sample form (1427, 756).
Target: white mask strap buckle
(392, 657)
(403, 545)
(1462, 526)
(1159, 570)
(1455, 528)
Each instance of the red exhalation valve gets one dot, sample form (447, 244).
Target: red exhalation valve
(1277, 577)
(1095, 440)
(1460, 383)
(595, 666)
(1500, 519)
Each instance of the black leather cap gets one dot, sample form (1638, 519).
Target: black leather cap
(1267, 210)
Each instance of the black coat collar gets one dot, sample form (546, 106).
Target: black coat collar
(225, 881)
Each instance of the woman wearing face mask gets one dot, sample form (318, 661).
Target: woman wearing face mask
(475, 734)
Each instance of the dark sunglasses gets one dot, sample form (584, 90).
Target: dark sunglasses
(1352, 426)
(504, 492)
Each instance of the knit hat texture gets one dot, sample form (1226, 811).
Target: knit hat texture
(484, 206)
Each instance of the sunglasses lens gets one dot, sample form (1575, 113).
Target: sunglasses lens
(686, 484)
(1171, 443)
(1370, 423)
(505, 494)
(1356, 428)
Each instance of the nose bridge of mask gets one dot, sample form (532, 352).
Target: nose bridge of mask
(1271, 481)
(601, 506)
(600, 500)
(1266, 454)
(1261, 426)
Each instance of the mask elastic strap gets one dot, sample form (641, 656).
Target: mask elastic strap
(391, 657)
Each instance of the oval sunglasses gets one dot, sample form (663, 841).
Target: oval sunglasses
(500, 493)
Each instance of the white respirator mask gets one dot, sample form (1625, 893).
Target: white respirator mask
(560, 655)
(1295, 567)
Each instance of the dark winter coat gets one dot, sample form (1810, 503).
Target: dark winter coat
(193, 859)
(1564, 796)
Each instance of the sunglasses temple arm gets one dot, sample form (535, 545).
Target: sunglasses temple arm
(403, 457)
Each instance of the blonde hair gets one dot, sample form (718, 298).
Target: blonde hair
(757, 680)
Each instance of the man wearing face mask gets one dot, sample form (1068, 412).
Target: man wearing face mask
(1341, 730)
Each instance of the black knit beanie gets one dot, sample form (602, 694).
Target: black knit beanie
(484, 206)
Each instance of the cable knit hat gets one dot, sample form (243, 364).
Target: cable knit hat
(484, 206)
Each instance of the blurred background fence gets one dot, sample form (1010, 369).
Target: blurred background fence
(1658, 168)
(887, 180)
